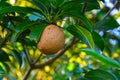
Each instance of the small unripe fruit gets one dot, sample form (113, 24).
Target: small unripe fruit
(52, 39)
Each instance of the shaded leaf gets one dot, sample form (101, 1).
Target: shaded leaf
(107, 24)
(4, 4)
(98, 40)
(36, 32)
(106, 60)
(18, 9)
(40, 5)
(100, 75)
(59, 3)
(24, 25)
(20, 28)
(91, 4)
(4, 56)
(117, 73)
(29, 42)
(78, 4)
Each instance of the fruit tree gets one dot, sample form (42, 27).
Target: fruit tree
(59, 39)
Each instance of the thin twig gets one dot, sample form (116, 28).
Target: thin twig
(26, 53)
(108, 13)
(37, 59)
(27, 73)
(31, 65)
(60, 53)
(84, 7)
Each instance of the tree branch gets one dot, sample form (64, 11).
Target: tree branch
(26, 53)
(27, 73)
(37, 59)
(108, 13)
(60, 53)
(31, 64)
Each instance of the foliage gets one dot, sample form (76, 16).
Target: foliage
(86, 55)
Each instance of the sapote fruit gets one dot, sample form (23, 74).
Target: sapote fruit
(52, 39)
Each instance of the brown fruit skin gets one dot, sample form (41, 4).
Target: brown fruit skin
(52, 39)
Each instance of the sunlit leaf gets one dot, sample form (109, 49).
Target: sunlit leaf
(71, 66)
(1, 70)
(87, 35)
(82, 33)
(18, 57)
(100, 75)
(106, 60)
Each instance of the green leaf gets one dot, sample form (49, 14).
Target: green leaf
(87, 35)
(29, 42)
(73, 9)
(18, 57)
(71, 66)
(4, 56)
(36, 32)
(117, 73)
(20, 28)
(6, 66)
(24, 25)
(78, 4)
(91, 4)
(59, 3)
(82, 17)
(4, 4)
(106, 60)
(1, 70)
(71, 5)
(107, 24)
(18, 9)
(100, 75)
(40, 5)
(98, 40)
(82, 33)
